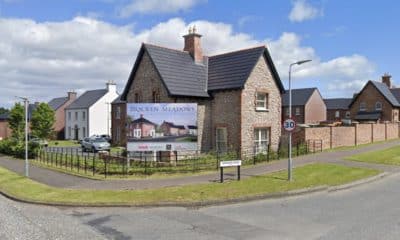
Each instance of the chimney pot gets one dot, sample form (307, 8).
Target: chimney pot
(193, 46)
(71, 95)
(386, 79)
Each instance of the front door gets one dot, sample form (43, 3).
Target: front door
(76, 133)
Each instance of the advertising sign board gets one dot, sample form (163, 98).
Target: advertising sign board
(161, 126)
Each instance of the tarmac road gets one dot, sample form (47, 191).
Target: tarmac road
(367, 212)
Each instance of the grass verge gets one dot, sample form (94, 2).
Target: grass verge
(312, 175)
(389, 156)
(63, 143)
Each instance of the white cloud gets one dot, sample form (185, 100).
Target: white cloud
(157, 6)
(302, 11)
(45, 60)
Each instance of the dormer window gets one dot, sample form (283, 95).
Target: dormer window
(262, 101)
(378, 106)
(363, 107)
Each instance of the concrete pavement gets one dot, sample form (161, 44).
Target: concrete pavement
(58, 179)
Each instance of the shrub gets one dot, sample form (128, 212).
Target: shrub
(17, 149)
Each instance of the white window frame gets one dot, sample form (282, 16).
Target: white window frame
(297, 111)
(69, 132)
(137, 133)
(76, 116)
(69, 116)
(84, 116)
(260, 143)
(263, 101)
(221, 143)
(348, 114)
(337, 114)
(380, 106)
(84, 132)
(363, 107)
(118, 112)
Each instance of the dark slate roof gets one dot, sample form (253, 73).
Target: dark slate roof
(396, 93)
(143, 120)
(231, 70)
(118, 100)
(385, 91)
(368, 116)
(56, 103)
(87, 99)
(183, 77)
(338, 103)
(299, 96)
(4, 116)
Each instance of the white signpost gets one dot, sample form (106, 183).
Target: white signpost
(289, 124)
(232, 163)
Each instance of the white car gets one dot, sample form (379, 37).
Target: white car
(95, 144)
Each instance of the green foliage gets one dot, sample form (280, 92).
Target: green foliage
(17, 149)
(17, 122)
(42, 121)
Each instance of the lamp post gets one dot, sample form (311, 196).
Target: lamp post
(26, 103)
(290, 163)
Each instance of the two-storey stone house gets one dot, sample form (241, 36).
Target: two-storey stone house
(377, 101)
(238, 93)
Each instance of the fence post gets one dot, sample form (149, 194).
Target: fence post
(145, 164)
(94, 163)
(78, 162)
(105, 167)
(297, 149)
(254, 155)
(85, 164)
(313, 146)
(268, 151)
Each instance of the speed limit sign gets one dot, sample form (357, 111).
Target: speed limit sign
(289, 124)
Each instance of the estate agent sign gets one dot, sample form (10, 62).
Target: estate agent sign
(161, 126)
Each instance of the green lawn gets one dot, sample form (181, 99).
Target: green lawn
(390, 156)
(312, 175)
(63, 143)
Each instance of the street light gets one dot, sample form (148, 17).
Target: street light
(26, 103)
(290, 116)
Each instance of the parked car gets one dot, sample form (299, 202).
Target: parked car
(39, 142)
(95, 144)
(106, 137)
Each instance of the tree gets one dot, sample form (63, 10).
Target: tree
(17, 122)
(42, 121)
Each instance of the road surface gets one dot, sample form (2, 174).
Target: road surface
(367, 212)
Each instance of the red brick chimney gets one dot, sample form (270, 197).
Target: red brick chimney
(192, 45)
(71, 95)
(386, 80)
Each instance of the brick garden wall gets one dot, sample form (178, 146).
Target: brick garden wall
(357, 134)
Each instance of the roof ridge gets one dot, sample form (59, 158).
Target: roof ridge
(240, 50)
(159, 46)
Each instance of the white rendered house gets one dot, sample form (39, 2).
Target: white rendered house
(90, 114)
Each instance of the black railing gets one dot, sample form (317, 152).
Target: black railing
(147, 163)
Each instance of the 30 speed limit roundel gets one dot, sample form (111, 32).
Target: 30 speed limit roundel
(289, 124)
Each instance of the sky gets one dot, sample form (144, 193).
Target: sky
(48, 47)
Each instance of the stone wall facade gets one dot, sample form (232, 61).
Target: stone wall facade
(357, 134)
(261, 80)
